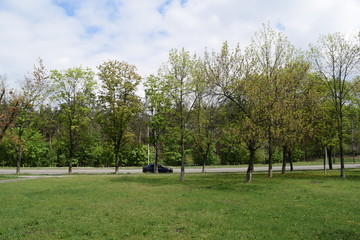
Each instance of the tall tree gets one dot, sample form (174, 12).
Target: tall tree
(271, 51)
(158, 105)
(295, 103)
(233, 79)
(119, 101)
(337, 59)
(74, 90)
(33, 92)
(178, 73)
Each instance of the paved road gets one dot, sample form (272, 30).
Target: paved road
(60, 171)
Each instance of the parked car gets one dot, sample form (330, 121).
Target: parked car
(161, 168)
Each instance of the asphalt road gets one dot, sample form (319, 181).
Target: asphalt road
(61, 171)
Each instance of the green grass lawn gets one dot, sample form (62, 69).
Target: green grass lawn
(299, 205)
(5, 177)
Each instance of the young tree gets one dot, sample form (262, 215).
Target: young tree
(74, 90)
(233, 80)
(119, 102)
(337, 59)
(177, 74)
(158, 105)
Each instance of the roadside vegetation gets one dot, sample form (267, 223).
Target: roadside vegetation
(300, 205)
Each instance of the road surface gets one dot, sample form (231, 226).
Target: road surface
(61, 171)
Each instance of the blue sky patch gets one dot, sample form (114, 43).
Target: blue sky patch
(69, 7)
(113, 9)
(280, 26)
(183, 2)
(162, 8)
(92, 30)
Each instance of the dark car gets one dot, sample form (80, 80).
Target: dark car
(161, 168)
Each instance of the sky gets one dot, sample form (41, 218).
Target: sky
(74, 33)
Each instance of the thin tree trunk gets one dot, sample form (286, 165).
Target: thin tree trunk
(156, 157)
(291, 165)
(342, 160)
(270, 172)
(251, 164)
(182, 171)
(353, 156)
(72, 148)
(19, 158)
(341, 147)
(329, 153)
(325, 158)
(283, 169)
(117, 161)
(182, 142)
(205, 156)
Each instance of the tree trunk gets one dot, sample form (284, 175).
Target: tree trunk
(156, 156)
(341, 147)
(72, 150)
(283, 169)
(117, 161)
(182, 171)
(270, 172)
(325, 158)
(342, 160)
(353, 156)
(289, 158)
(250, 169)
(204, 162)
(329, 153)
(19, 158)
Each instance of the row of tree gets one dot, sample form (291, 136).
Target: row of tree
(267, 102)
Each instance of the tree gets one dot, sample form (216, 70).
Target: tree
(295, 106)
(177, 74)
(158, 105)
(33, 92)
(270, 52)
(336, 58)
(9, 107)
(204, 119)
(74, 90)
(232, 78)
(118, 101)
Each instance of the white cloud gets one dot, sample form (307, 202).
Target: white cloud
(69, 33)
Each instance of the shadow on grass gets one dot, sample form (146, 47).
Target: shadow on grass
(339, 234)
(234, 181)
(208, 181)
(351, 174)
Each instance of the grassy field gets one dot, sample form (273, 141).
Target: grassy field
(5, 177)
(299, 205)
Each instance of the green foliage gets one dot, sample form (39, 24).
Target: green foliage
(36, 150)
(297, 155)
(7, 154)
(136, 156)
(118, 102)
